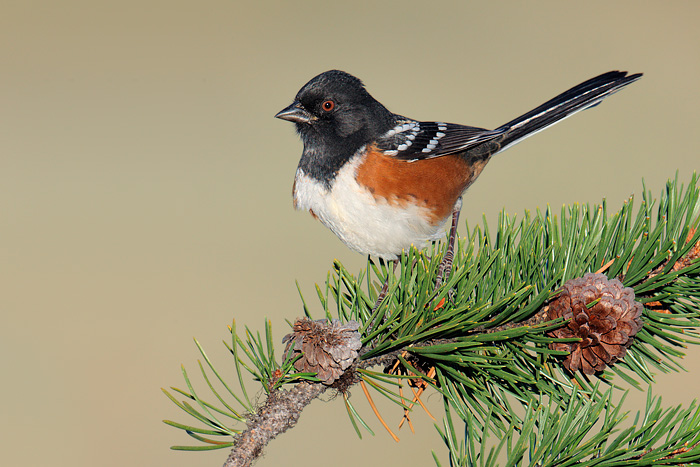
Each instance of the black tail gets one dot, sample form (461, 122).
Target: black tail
(581, 97)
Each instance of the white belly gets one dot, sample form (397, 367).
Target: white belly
(365, 224)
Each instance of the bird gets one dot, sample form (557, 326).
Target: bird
(383, 182)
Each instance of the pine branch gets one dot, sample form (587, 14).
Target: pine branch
(486, 338)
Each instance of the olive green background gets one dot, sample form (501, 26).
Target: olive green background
(145, 187)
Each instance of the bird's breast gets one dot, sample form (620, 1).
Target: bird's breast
(381, 206)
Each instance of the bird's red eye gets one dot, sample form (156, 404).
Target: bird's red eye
(328, 106)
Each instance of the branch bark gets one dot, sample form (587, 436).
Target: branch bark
(280, 412)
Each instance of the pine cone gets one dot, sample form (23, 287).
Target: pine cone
(326, 349)
(606, 329)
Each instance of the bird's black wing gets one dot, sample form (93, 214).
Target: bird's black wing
(411, 140)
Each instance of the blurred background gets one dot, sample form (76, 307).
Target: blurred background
(145, 187)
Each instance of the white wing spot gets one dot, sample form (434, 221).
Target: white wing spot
(401, 128)
(404, 146)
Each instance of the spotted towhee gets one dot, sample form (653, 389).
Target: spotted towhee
(382, 182)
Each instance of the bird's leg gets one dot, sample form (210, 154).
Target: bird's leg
(385, 287)
(445, 267)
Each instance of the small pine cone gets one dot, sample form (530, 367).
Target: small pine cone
(606, 329)
(326, 349)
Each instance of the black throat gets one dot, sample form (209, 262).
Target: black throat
(323, 156)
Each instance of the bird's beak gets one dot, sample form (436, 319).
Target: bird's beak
(295, 113)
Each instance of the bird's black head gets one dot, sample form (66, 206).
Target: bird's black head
(335, 116)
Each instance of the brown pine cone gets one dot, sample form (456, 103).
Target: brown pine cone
(606, 329)
(326, 349)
